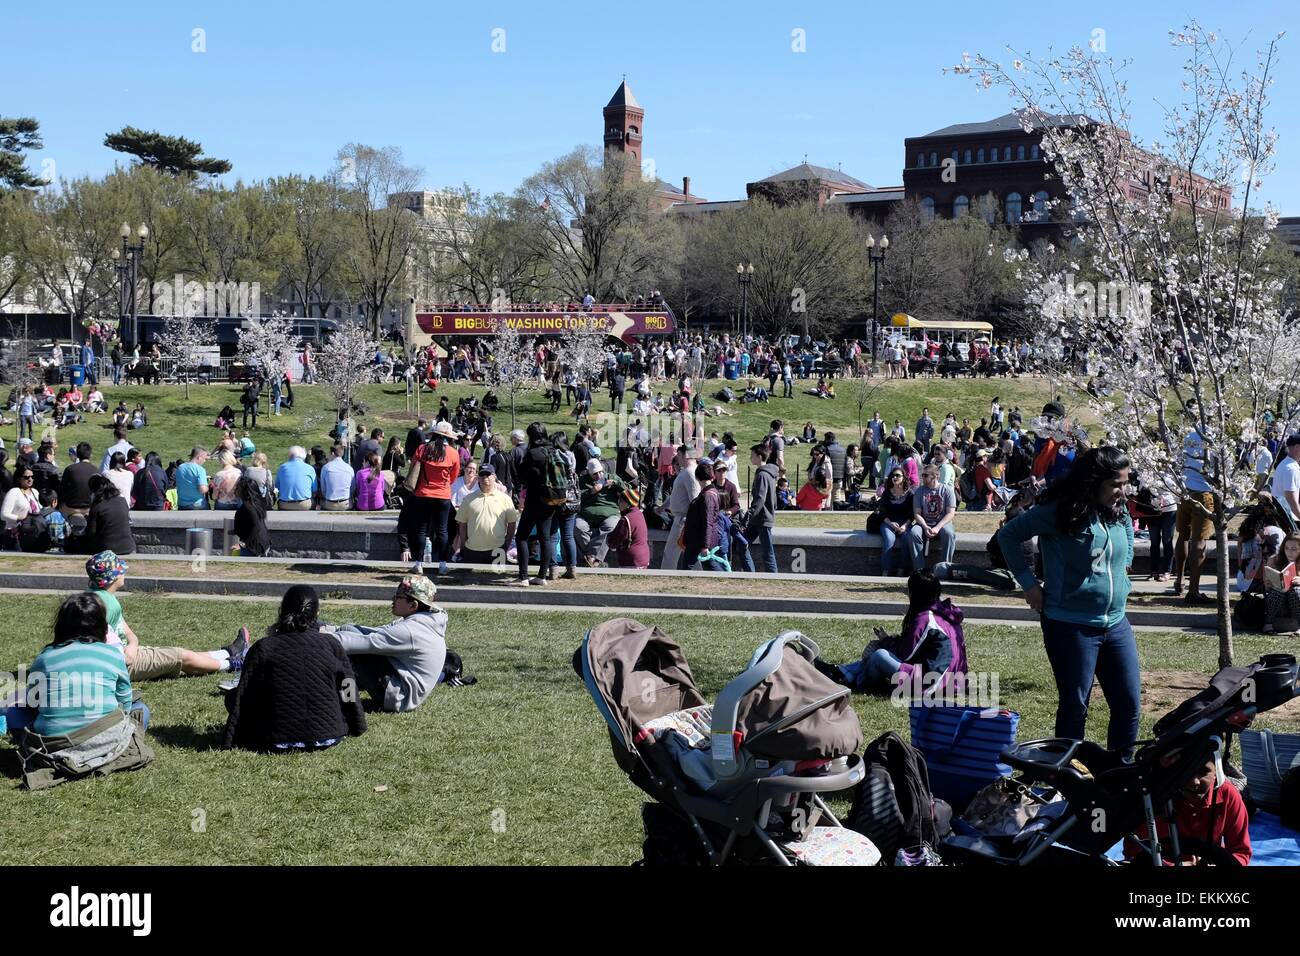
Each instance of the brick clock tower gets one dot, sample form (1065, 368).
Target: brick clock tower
(624, 122)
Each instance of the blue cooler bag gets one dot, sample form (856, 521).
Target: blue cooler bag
(963, 748)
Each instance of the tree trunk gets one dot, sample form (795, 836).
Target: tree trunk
(1224, 622)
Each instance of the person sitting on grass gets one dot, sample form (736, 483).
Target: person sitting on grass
(929, 649)
(63, 728)
(107, 574)
(121, 415)
(399, 664)
(297, 691)
(225, 418)
(1209, 814)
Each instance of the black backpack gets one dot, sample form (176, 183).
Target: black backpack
(966, 486)
(453, 671)
(33, 533)
(893, 806)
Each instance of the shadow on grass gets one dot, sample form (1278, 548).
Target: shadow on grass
(187, 737)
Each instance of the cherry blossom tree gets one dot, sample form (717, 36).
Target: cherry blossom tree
(347, 362)
(271, 343)
(185, 338)
(513, 363)
(1163, 306)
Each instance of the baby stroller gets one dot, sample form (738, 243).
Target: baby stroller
(739, 781)
(1105, 799)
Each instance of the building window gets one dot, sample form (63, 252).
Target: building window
(960, 206)
(1020, 152)
(934, 159)
(1013, 207)
(1033, 151)
(920, 160)
(1006, 154)
(993, 154)
(1039, 205)
(966, 157)
(980, 155)
(954, 155)
(927, 208)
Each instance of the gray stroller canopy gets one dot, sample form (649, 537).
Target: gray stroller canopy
(798, 713)
(637, 673)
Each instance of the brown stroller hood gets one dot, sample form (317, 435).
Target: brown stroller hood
(770, 715)
(635, 673)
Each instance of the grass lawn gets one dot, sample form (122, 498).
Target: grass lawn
(178, 423)
(523, 749)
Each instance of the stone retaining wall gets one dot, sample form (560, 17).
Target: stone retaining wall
(356, 536)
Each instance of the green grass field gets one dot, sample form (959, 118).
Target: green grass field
(524, 749)
(177, 423)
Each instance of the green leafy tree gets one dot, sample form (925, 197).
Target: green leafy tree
(380, 237)
(168, 154)
(17, 135)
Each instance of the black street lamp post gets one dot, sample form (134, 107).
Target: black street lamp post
(744, 276)
(876, 258)
(127, 264)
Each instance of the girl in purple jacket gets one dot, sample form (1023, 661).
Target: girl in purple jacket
(931, 645)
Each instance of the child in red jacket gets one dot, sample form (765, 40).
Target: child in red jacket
(1205, 810)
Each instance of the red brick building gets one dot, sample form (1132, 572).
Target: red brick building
(625, 134)
(998, 170)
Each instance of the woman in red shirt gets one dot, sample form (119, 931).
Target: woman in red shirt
(430, 505)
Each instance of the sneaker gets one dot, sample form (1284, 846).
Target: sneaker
(239, 646)
(417, 568)
(237, 659)
(520, 582)
(442, 567)
(539, 581)
(569, 574)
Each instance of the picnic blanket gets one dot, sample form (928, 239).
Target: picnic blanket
(1271, 843)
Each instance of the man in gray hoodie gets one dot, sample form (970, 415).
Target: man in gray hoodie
(400, 664)
(762, 507)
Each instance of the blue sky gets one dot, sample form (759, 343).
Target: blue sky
(283, 84)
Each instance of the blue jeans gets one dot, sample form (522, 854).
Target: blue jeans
(1078, 655)
(762, 543)
(568, 544)
(945, 540)
(888, 540)
(741, 559)
(200, 505)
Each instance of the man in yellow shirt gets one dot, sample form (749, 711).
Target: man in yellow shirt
(486, 520)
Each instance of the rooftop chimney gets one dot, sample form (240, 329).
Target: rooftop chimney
(686, 188)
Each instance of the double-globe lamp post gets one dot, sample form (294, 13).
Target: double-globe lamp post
(876, 259)
(744, 276)
(127, 263)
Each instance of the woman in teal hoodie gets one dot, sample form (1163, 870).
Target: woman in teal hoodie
(1085, 538)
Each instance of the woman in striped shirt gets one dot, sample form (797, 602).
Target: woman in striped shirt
(78, 678)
